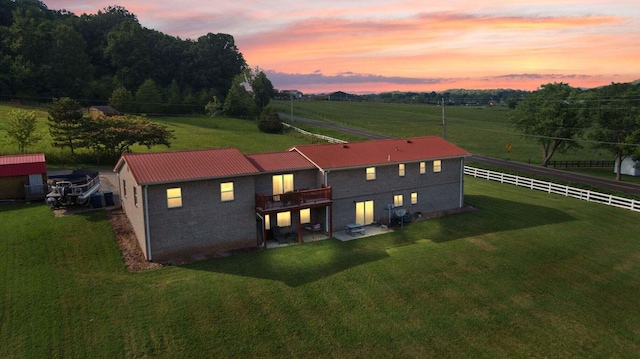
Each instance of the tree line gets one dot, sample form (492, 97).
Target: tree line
(557, 116)
(46, 54)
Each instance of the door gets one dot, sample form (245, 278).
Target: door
(364, 212)
(37, 188)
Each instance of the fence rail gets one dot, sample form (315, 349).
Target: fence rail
(322, 137)
(585, 164)
(550, 187)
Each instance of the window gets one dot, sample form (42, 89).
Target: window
(437, 166)
(401, 170)
(371, 173)
(282, 184)
(226, 191)
(397, 200)
(267, 222)
(174, 197)
(284, 219)
(423, 168)
(124, 188)
(414, 197)
(305, 215)
(135, 196)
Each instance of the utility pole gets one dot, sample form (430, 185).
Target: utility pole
(444, 124)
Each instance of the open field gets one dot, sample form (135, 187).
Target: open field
(526, 275)
(478, 129)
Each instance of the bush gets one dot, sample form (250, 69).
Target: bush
(270, 121)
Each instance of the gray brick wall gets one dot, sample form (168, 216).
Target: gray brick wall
(134, 212)
(203, 222)
(436, 191)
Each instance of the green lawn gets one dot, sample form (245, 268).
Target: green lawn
(526, 275)
(192, 132)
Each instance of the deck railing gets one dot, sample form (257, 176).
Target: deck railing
(293, 199)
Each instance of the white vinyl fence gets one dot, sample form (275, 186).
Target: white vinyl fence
(323, 137)
(550, 187)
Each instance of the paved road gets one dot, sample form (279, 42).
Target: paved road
(623, 187)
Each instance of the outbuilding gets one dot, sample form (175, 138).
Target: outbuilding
(23, 176)
(629, 166)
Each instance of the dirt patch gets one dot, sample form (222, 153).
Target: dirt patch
(126, 239)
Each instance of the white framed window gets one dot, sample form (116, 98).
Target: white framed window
(284, 219)
(174, 197)
(267, 221)
(397, 200)
(135, 196)
(401, 170)
(124, 188)
(414, 197)
(226, 191)
(305, 215)
(423, 168)
(437, 166)
(371, 173)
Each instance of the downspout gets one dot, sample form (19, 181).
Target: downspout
(146, 223)
(461, 182)
(327, 211)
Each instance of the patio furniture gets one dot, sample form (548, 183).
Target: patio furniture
(354, 228)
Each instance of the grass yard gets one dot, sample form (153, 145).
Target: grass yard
(194, 132)
(478, 129)
(526, 275)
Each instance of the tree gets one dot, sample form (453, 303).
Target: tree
(149, 97)
(21, 129)
(213, 107)
(551, 115)
(616, 111)
(112, 136)
(66, 123)
(238, 102)
(122, 100)
(270, 121)
(262, 89)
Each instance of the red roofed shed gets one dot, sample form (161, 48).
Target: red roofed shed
(20, 173)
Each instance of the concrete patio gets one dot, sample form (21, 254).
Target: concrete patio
(341, 235)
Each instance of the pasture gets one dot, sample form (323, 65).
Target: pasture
(478, 129)
(527, 274)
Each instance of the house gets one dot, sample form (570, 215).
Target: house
(23, 176)
(97, 111)
(189, 202)
(628, 166)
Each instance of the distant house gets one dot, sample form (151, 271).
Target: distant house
(188, 202)
(97, 111)
(23, 176)
(628, 166)
(338, 96)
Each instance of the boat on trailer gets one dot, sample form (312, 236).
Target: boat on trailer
(71, 189)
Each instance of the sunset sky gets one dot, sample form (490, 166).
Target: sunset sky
(369, 46)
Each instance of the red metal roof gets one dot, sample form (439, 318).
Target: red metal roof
(167, 167)
(22, 165)
(360, 154)
(279, 161)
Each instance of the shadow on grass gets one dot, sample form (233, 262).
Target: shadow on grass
(301, 264)
(295, 265)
